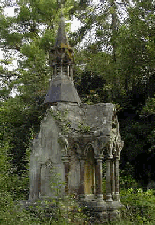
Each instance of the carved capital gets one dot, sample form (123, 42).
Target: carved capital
(65, 159)
(99, 158)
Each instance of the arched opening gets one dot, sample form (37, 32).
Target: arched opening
(89, 174)
(45, 178)
(74, 173)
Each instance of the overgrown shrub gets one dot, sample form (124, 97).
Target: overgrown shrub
(139, 207)
(126, 177)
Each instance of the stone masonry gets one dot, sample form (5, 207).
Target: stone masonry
(74, 141)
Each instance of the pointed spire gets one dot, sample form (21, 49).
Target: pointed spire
(62, 87)
(61, 40)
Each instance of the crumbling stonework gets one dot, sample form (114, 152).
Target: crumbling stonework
(73, 141)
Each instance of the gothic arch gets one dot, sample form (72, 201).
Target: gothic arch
(45, 177)
(87, 147)
(89, 175)
(74, 168)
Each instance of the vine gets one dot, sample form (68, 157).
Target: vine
(83, 128)
(65, 124)
(61, 118)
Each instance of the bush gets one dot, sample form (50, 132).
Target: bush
(126, 177)
(139, 207)
(66, 211)
(11, 214)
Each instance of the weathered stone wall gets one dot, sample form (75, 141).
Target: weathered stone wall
(46, 155)
(92, 122)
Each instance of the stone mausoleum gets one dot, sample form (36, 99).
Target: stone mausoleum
(74, 141)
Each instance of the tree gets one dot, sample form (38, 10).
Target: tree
(27, 37)
(116, 64)
(100, 28)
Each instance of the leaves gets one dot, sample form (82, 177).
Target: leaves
(114, 63)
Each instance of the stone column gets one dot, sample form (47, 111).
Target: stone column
(81, 188)
(113, 178)
(71, 71)
(98, 178)
(37, 185)
(108, 180)
(54, 70)
(66, 165)
(35, 181)
(117, 195)
(61, 70)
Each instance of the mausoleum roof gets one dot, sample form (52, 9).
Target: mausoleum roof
(62, 91)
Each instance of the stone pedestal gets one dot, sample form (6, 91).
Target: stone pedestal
(96, 209)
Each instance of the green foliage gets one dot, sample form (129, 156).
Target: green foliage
(55, 211)
(14, 185)
(149, 107)
(126, 178)
(11, 214)
(139, 206)
(116, 65)
(4, 165)
(119, 60)
(17, 121)
(83, 128)
(61, 117)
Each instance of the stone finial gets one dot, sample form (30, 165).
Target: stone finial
(62, 53)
